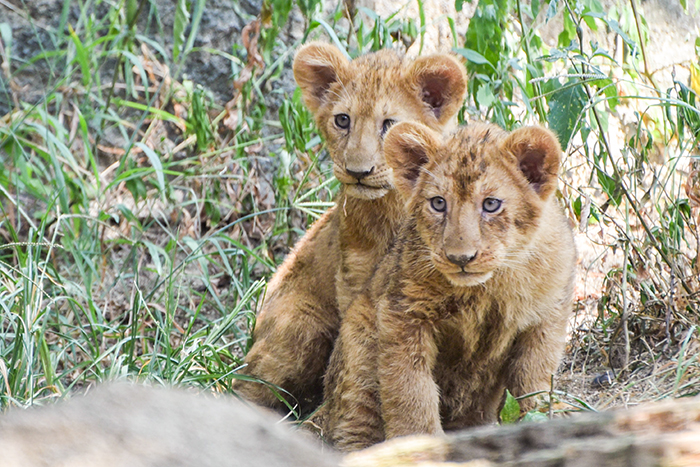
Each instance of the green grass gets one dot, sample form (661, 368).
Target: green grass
(141, 216)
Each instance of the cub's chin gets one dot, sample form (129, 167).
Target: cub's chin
(365, 192)
(467, 279)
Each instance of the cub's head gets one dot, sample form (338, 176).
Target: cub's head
(477, 196)
(356, 102)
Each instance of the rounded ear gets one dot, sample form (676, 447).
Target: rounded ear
(441, 82)
(316, 67)
(408, 147)
(538, 155)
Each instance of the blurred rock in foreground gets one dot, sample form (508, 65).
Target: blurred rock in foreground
(123, 425)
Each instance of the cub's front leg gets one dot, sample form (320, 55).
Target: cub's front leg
(408, 393)
(351, 416)
(534, 357)
(297, 323)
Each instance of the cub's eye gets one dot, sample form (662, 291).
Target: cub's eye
(438, 204)
(342, 121)
(386, 124)
(491, 204)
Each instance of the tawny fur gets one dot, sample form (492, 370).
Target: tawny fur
(433, 342)
(300, 317)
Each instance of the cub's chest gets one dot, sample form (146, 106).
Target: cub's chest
(477, 331)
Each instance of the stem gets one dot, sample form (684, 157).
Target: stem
(669, 307)
(535, 85)
(551, 397)
(625, 309)
(641, 46)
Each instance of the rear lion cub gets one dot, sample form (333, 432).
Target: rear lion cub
(474, 296)
(354, 103)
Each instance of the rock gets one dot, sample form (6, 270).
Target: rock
(124, 425)
(666, 433)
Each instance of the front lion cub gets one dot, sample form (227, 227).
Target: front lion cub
(473, 298)
(354, 103)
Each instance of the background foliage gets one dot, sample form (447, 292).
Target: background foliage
(141, 215)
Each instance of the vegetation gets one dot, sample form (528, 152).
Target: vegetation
(141, 215)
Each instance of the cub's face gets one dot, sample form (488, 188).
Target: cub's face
(356, 102)
(476, 196)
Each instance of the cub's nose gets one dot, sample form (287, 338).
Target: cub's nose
(461, 260)
(359, 174)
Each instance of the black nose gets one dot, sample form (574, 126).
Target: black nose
(359, 175)
(462, 260)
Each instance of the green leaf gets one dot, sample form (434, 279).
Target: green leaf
(6, 37)
(567, 36)
(156, 252)
(473, 56)
(199, 119)
(421, 16)
(137, 189)
(615, 26)
(552, 10)
(155, 162)
(688, 114)
(565, 106)
(194, 29)
(81, 56)
(485, 97)
(610, 186)
(610, 91)
(182, 19)
(510, 411)
(535, 417)
(132, 8)
(485, 34)
(127, 213)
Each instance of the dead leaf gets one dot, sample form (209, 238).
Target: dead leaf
(692, 188)
(254, 148)
(249, 36)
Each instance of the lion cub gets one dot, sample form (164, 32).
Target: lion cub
(474, 296)
(355, 103)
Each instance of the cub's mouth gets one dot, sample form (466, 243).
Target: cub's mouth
(461, 278)
(361, 190)
(374, 185)
(468, 279)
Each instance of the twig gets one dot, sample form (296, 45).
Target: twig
(641, 46)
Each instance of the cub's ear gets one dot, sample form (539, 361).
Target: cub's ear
(316, 67)
(408, 147)
(441, 83)
(538, 155)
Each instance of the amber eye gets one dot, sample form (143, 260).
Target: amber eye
(491, 204)
(342, 121)
(386, 124)
(438, 204)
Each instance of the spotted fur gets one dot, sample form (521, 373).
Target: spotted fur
(470, 301)
(300, 317)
